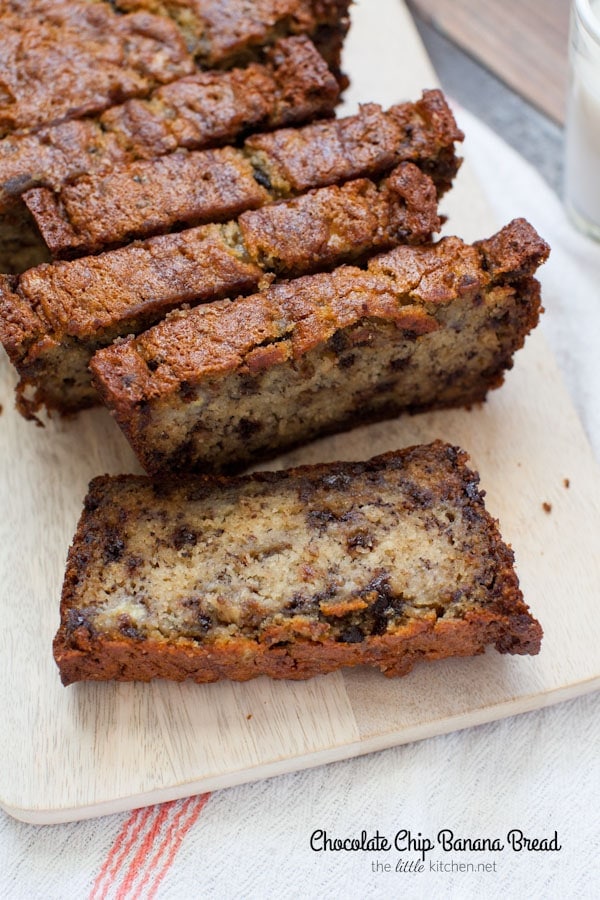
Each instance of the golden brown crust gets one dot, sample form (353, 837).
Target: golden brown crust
(243, 659)
(92, 59)
(203, 110)
(153, 196)
(371, 142)
(123, 291)
(331, 225)
(180, 188)
(306, 636)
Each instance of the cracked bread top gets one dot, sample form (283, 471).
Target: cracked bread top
(423, 132)
(146, 197)
(293, 84)
(124, 290)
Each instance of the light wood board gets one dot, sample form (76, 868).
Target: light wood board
(524, 42)
(99, 748)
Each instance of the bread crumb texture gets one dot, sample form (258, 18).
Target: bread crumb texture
(290, 574)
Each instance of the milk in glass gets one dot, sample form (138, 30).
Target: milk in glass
(582, 171)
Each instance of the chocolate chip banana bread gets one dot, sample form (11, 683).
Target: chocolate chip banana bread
(53, 318)
(222, 386)
(182, 189)
(289, 574)
(291, 85)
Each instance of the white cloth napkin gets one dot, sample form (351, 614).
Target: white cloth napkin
(570, 278)
(538, 772)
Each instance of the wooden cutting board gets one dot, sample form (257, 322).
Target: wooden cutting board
(93, 749)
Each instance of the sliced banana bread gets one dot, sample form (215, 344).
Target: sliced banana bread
(224, 385)
(153, 196)
(203, 110)
(289, 574)
(53, 318)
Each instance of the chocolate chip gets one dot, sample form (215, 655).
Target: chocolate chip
(184, 537)
(352, 635)
(76, 619)
(472, 490)
(346, 362)
(91, 503)
(188, 391)
(248, 384)
(205, 622)
(397, 365)
(263, 179)
(128, 629)
(247, 427)
(338, 342)
(360, 539)
(380, 611)
(113, 548)
(337, 480)
(133, 563)
(320, 518)
(452, 453)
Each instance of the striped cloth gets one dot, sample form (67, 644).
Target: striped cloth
(538, 772)
(145, 848)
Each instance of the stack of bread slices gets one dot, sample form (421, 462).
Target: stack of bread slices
(191, 237)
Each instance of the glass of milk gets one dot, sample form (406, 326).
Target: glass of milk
(582, 169)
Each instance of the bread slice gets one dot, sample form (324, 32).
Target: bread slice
(289, 574)
(225, 32)
(182, 189)
(291, 85)
(53, 318)
(221, 386)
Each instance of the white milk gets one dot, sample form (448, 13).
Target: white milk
(582, 172)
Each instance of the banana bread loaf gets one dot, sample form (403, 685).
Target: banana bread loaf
(289, 574)
(182, 189)
(221, 386)
(53, 318)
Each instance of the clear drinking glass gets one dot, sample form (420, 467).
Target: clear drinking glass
(582, 163)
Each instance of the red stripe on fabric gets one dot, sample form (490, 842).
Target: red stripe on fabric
(175, 837)
(113, 859)
(143, 850)
(161, 848)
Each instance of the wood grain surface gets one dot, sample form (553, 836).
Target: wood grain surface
(524, 42)
(98, 748)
